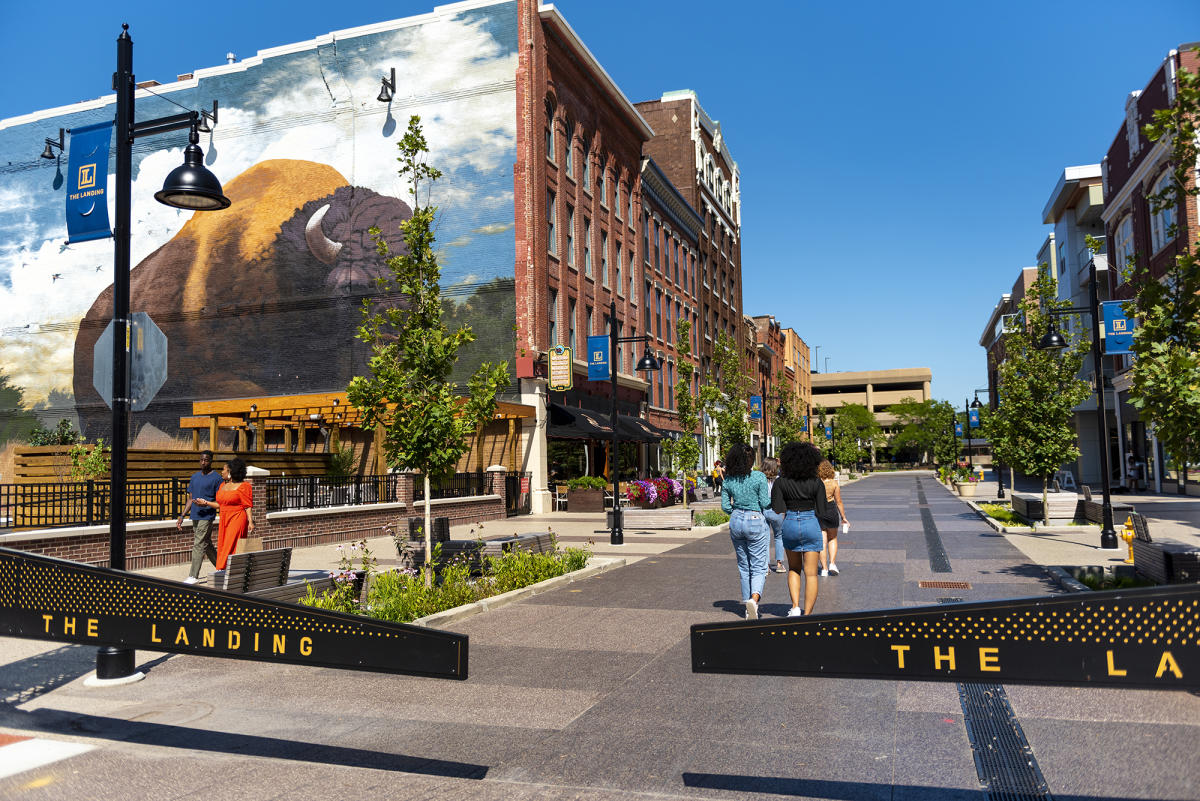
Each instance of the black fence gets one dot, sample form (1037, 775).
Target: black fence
(456, 485)
(517, 493)
(315, 492)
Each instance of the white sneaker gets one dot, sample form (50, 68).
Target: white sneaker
(191, 580)
(833, 571)
(795, 611)
(751, 609)
(823, 573)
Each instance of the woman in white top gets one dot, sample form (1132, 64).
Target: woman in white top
(835, 518)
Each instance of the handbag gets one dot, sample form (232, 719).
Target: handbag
(248, 545)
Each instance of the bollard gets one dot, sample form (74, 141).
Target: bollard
(1128, 534)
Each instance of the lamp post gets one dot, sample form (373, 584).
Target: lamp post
(1053, 340)
(975, 404)
(648, 363)
(189, 186)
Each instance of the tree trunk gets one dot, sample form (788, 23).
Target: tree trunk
(1045, 504)
(428, 535)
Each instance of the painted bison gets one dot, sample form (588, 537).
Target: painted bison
(260, 299)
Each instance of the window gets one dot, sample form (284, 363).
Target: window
(587, 246)
(646, 238)
(657, 252)
(658, 313)
(617, 203)
(571, 325)
(552, 244)
(631, 277)
(553, 314)
(588, 320)
(1123, 252)
(1062, 257)
(1162, 220)
(587, 163)
(675, 258)
(602, 183)
(620, 350)
(617, 269)
(704, 268)
(604, 257)
(550, 142)
(670, 385)
(670, 327)
(632, 222)
(569, 153)
(678, 314)
(646, 307)
(570, 235)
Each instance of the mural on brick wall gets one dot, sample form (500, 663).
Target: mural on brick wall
(264, 297)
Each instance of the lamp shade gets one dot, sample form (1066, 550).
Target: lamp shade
(648, 363)
(192, 186)
(1053, 340)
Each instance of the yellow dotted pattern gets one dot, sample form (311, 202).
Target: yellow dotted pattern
(1153, 622)
(54, 590)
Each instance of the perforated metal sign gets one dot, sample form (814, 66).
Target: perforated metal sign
(1148, 638)
(51, 599)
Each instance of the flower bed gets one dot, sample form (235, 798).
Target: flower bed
(401, 596)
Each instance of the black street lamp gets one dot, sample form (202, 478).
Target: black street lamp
(967, 430)
(648, 363)
(190, 186)
(1053, 340)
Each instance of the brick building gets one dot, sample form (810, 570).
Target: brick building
(691, 149)
(773, 381)
(1133, 169)
(796, 360)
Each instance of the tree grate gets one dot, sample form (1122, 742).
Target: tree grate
(1004, 761)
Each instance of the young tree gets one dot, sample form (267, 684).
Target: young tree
(684, 452)
(727, 393)
(787, 425)
(1166, 341)
(1032, 428)
(409, 392)
(922, 427)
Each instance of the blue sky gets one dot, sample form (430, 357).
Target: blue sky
(895, 157)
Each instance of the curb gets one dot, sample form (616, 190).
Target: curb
(1065, 580)
(596, 566)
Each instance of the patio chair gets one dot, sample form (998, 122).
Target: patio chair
(560, 497)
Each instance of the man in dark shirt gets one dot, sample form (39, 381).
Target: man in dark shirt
(203, 486)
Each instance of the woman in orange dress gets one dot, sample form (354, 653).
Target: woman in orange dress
(235, 499)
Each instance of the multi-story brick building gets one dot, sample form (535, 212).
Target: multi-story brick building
(796, 361)
(1134, 169)
(691, 149)
(773, 381)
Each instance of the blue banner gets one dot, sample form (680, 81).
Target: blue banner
(756, 407)
(804, 423)
(973, 417)
(87, 183)
(1118, 329)
(828, 432)
(958, 429)
(598, 369)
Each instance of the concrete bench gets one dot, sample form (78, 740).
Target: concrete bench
(670, 517)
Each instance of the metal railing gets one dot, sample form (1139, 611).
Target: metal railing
(315, 492)
(457, 485)
(87, 503)
(518, 495)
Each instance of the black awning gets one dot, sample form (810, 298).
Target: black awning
(568, 423)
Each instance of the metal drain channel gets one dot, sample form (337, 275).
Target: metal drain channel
(1003, 759)
(939, 561)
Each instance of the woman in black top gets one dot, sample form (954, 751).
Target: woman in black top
(799, 495)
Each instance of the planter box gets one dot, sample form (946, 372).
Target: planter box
(967, 489)
(581, 500)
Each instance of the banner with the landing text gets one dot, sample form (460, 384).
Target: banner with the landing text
(87, 183)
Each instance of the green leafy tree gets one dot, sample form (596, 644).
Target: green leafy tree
(426, 426)
(1033, 428)
(856, 433)
(727, 393)
(923, 427)
(684, 452)
(1165, 385)
(820, 439)
(787, 425)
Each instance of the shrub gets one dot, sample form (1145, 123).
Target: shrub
(711, 517)
(587, 483)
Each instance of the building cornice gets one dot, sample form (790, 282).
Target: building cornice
(660, 188)
(1114, 209)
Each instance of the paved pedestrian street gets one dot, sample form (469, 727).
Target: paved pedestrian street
(587, 692)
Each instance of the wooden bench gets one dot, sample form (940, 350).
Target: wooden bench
(267, 575)
(670, 517)
(412, 553)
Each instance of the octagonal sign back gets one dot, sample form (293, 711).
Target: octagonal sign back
(146, 365)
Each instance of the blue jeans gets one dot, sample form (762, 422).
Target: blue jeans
(801, 532)
(751, 537)
(775, 521)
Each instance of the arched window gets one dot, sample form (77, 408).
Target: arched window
(1123, 247)
(1162, 220)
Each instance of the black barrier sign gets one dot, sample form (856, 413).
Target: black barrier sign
(44, 598)
(1120, 638)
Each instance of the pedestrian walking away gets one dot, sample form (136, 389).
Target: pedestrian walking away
(834, 518)
(744, 496)
(202, 487)
(718, 475)
(799, 495)
(774, 519)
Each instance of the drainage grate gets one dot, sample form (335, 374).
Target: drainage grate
(944, 585)
(1004, 761)
(939, 561)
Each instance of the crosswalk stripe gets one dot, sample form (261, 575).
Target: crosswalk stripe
(29, 753)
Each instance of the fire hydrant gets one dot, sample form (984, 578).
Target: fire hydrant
(1128, 534)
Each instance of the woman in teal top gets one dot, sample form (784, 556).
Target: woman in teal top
(744, 496)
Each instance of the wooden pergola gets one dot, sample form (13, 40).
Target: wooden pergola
(297, 415)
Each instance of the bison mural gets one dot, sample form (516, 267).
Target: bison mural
(260, 299)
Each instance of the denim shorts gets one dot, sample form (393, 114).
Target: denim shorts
(801, 532)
